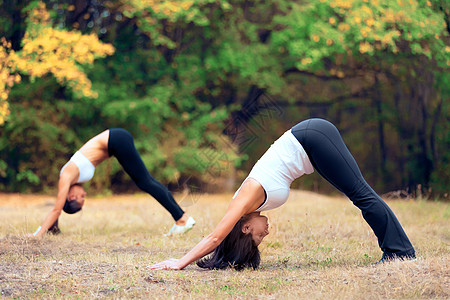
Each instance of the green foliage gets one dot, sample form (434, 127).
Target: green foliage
(404, 47)
(183, 69)
(440, 178)
(360, 31)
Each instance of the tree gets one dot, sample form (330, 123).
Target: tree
(49, 50)
(187, 76)
(177, 135)
(400, 47)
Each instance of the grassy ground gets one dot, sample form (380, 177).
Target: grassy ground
(319, 247)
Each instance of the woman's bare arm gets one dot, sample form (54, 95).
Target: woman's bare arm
(66, 179)
(248, 200)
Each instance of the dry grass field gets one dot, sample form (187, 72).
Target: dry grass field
(319, 248)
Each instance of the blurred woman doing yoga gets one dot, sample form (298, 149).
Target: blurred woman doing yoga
(80, 168)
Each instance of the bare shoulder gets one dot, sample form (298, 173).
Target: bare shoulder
(70, 174)
(250, 196)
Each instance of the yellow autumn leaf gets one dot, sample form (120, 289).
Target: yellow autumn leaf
(365, 47)
(306, 61)
(343, 27)
(49, 50)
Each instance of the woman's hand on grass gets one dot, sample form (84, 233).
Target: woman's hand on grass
(170, 264)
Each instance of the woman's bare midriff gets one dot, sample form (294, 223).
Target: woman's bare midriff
(96, 149)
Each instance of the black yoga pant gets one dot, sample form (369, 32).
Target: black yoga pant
(333, 161)
(121, 145)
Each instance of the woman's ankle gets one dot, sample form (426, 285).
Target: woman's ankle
(182, 221)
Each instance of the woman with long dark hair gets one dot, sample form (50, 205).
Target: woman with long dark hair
(313, 144)
(80, 168)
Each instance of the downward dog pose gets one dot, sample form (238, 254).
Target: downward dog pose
(80, 168)
(311, 144)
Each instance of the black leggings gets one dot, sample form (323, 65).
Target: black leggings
(333, 161)
(121, 145)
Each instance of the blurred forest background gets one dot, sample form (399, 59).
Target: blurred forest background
(205, 86)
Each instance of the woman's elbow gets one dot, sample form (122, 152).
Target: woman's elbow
(56, 211)
(214, 240)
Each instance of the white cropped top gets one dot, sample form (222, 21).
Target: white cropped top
(283, 162)
(85, 167)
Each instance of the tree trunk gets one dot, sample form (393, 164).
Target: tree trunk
(381, 140)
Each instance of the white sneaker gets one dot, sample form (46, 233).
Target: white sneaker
(177, 229)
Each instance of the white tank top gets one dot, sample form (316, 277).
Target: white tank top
(283, 162)
(85, 167)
